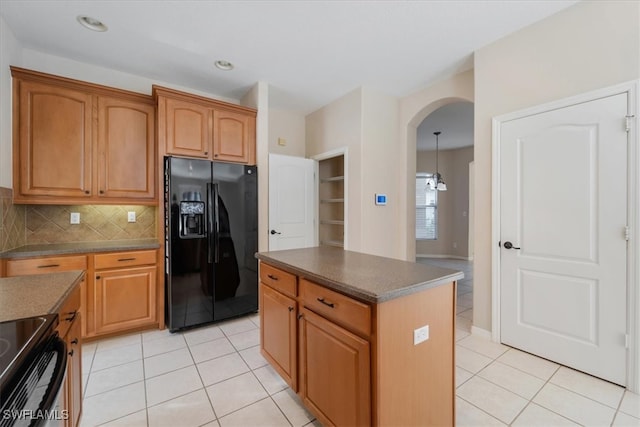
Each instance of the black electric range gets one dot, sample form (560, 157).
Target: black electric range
(20, 342)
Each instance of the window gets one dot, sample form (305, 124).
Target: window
(426, 208)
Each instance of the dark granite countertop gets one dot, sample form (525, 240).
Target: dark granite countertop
(36, 295)
(365, 277)
(52, 249)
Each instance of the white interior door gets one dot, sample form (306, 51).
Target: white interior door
(563, 208)
(292, 208)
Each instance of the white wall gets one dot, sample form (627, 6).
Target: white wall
(585, 47)
(339, 125)
(380, 173)
(413, 110)
(10, 54)
(290, 126)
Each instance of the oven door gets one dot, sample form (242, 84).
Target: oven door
(36, 399)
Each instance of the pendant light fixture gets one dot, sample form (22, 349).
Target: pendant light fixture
(440, 185)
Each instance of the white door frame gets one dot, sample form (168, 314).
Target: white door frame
(633, 213)
(342, 151)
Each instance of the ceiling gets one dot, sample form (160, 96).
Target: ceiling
(310, 52)
(455, 121)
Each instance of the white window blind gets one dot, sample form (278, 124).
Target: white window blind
(426, 208)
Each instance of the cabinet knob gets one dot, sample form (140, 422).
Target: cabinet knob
(86, 192)
(299, 316)
(290, 308)
(206, 153)
(97, 277)
(74, 341)
(101, 191)
(215, 155)
(71, 353)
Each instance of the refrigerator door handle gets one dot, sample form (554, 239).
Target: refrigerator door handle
(216, 225)
(210, 225)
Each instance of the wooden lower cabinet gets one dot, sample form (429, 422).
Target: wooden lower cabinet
(69, 320)
(356, 363)
(278, 313)
(125, 298)
(118, 294)
(335, 366)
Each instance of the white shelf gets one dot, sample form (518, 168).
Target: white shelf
(332, 179)
(336, 243)
(332, 222)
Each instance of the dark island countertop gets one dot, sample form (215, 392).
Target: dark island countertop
(36, 295)
(365, 277)
(52, 249)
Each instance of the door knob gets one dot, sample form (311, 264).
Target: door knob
(275, 232)
(509, 245)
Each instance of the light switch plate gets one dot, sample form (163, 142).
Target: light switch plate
(131, 216)
(74, 218)
(420, 335)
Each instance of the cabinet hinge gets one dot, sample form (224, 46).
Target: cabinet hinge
(627, 233)
(628, 122)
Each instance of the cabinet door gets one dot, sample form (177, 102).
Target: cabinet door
(126, 149)
(54, 152)
(125, 298)
(187, 127)
(233, 137)
(74, 373)
(278, 333)
(334, 372)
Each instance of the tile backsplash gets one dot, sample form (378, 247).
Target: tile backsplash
(12, 227)
(50, 223)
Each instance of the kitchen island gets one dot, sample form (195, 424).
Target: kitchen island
(362, 339)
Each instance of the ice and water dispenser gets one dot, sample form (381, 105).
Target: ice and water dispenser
(192, 215)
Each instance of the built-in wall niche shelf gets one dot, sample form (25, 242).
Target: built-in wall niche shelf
(331, 206)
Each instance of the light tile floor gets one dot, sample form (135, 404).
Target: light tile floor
(215, 376)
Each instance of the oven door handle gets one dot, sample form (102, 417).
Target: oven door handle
(59, 374)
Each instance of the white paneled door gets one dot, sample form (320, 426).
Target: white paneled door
(563, 218)
(292, 208)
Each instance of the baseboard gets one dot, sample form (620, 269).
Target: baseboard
(444, 256)
(483, 333)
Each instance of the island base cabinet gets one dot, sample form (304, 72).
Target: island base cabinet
(335, 372)
(125, 299)
(278, 333)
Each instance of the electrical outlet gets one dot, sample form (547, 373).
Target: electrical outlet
(131, 216)
(420, 335)
(74, 218)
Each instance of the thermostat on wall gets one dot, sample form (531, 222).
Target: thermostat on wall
(381, 199)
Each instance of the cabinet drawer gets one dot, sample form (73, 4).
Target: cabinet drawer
(124, 259)
(22, 267)
(342, 309)
(69, 312)
(278, 279)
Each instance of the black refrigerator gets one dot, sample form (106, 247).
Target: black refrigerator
(211, 237)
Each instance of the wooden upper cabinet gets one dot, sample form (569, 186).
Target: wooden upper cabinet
(187, 129)
(53, 142)
(76, 142)
(194, 126)
(233, 137)
(126, 149)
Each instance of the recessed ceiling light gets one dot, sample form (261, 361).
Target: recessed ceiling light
(91, 23)
(224, 65)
